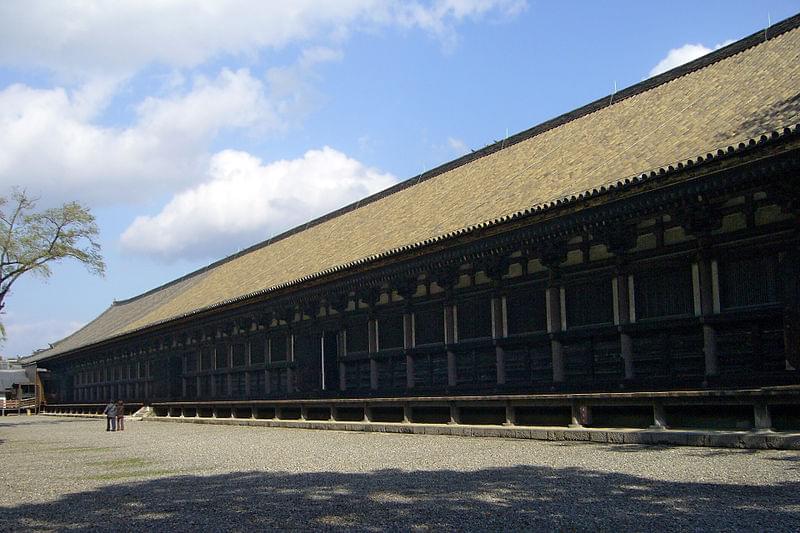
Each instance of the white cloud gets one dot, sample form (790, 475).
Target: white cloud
(681, 55)
(49, 140)
(244, 201)
(438, 18)
(25, 336)
(458, 146)
(126, 35)
(61, 142)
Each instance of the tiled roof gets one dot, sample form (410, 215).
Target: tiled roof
(732, 95)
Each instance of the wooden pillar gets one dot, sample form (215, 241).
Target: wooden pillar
(341, 338)
(229, 370)
(450, 339)
(213, 377)
(499, 332)
(790, 278)
(553, 299)
(706, 288)
(247, 386)
(372, 329)
(623, 306)
(290, 358)
(147, 391)
(408, 344)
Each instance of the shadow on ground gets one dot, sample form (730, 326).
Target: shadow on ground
(522, 497)
(10, 422)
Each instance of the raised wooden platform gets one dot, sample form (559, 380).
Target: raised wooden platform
(751, 418)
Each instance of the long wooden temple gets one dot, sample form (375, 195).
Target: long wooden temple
(648, 242)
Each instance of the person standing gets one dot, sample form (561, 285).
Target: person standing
(120, 415)
(111, 416)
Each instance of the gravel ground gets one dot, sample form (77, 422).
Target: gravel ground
(59, 473)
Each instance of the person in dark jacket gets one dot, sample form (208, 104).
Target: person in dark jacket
(120, 416)
(111, 416)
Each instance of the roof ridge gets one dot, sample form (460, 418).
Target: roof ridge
(751, 41)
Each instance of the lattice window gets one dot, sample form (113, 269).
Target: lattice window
(357, 374)
(429, 323)
(390, 332)
(206, 358)
(277, 380)
(191, 388)
(221, 354)
(748, 282)
(663, 293)
(474, 318)
(238, 384)
(526, 310)
(257, 383)
(221, 384)
(278, 348)
(358, 335)
(589, 303)
(239, 355)
(257, 350)
(191, 363)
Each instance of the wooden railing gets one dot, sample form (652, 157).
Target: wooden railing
(17, 405)
(745, 409)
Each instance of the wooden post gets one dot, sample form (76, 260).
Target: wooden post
(705, 282)
(450, 339)
(553, 296)
(623, 304)
(790, 274)
(247, 362)
(290, 358)
(499, 332)
(372, 328)
(341, 338)
(408, 345)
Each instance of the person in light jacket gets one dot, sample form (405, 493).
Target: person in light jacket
(111, 416)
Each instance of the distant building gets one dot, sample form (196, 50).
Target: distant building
(15, 384)
(647, 241)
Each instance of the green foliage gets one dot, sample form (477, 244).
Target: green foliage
(32, 241)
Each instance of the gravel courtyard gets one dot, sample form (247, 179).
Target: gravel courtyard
(65, 473)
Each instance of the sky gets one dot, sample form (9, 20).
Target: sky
(193, 129)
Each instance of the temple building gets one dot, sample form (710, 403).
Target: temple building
(648, 242)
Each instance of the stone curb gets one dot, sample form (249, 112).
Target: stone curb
(717, 439)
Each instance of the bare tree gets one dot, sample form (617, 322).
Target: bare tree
(31, 241)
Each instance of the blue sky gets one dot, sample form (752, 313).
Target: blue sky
(193, 129)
